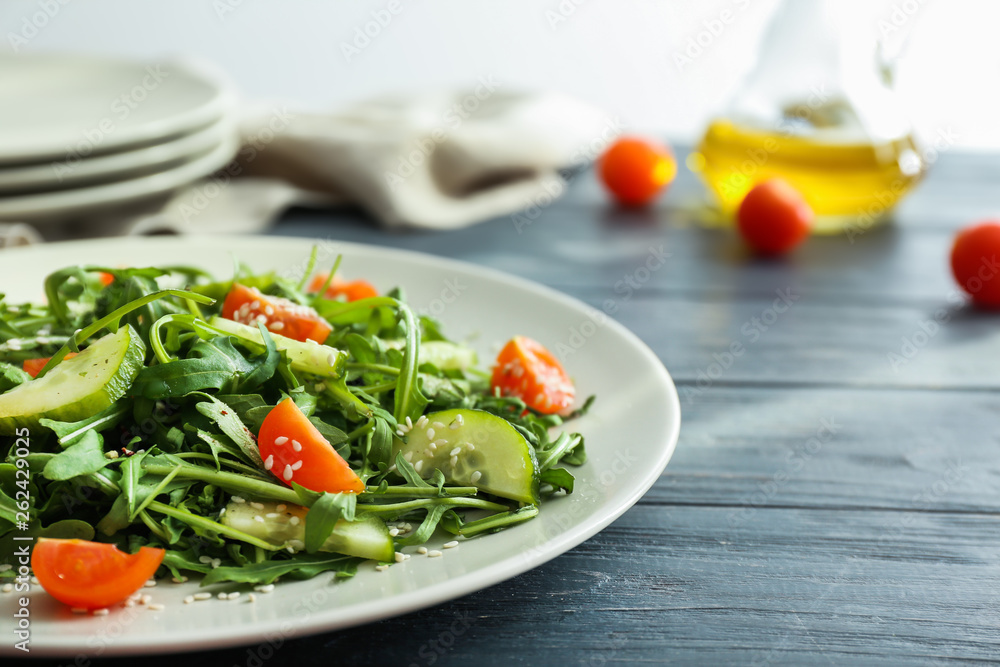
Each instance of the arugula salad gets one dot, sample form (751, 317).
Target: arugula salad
(158, 420)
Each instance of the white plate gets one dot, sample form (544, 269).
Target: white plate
(630, 435)
(59, 174)
(54, 106)
(63, 204)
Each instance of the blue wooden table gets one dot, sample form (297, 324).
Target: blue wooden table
(835, 495)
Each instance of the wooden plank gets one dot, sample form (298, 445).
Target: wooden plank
(679, 585)
(763, 447)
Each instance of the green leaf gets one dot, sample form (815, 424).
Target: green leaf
(70, 433)
(324, 514)
(211, 364)
(11, 376)
(229, 422)
(83, 458)
(560, 478)
(404, 468)
(302, 566)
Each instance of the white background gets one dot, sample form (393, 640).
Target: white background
(618, 54)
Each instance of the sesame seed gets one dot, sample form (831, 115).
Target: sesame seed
(234, 595)
(4, 567)
(476, 476)
(150, 583)
(432, 447)
(76, 610)
(155, 607)
(269, 462)
(393, 532)
(280, 440)
(428, 453)
(265, 588)
(422, 421)
(257, 506)
(282, 507)
(434, 554)
(406, 527)
(221, 512)
(408, 456)
(453, 461)
(269, 310)
(256, 306)
(331, 360)
(421, 550)
(287, 475)
(204, 559)
(319, 385)
(297, 544)
(460, 419)
(238, 499)
(216, 562)
(102, 612)
(223, 596)
(202, 596)
(437, 425)
(7, 588)
(276, 326)
(296, 465)
(14, 344)
(470, 446)
(400, 557)
(251, 598)
(272, 515)
(450, 545)
(409, 424)
(440, 443)
(430, 434)
(296, 445)
(294, 520)
(455, 452)
(418, 466)
(258, 518)
(128, 603)
(145, 599)
(392, 468)
(400, 432)
(454, 425)
(188, 599)
(381, 568)
(35, 581)
(178, 580)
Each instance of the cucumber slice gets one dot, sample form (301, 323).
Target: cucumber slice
(499, 461)
(77, 388)
(446, 356)
(309, 357)
(366, 538)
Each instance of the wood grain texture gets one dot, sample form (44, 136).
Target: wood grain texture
(823, 507)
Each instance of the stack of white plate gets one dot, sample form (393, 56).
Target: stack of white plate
(79, 136)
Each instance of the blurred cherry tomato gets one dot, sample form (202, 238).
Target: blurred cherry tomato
(975, 261)
(635, 170)
(774, 218)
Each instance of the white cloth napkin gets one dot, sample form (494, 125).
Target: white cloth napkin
(438, 162)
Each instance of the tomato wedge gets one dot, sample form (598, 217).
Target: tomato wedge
(248, 306)
(295, 451)
(105, 278)
(354, 290)
(527, 370)
(34, 366)
(91, 575)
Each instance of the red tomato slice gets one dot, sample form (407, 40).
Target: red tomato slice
(527, 370)
(34, 366)
(281, 316)
(91, 575)
(295, 451)
(353, 290)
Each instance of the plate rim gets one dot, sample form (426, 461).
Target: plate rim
(415, 600)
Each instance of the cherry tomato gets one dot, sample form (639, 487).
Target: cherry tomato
(280, 316)
(774, 218)
(635, 170)
(34, 366)
(527, 370)
(91, 575)
(295, 451)
(105, 278)
(353, 290)
(974, 262)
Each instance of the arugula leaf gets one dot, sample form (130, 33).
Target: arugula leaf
(211, 364)
(301, 566)
(11, 376)
(229, 422)
(84, 457)
(559, 478)
(69, 433)
(323, 516)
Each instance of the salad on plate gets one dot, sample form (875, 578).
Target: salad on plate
(156, 421)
